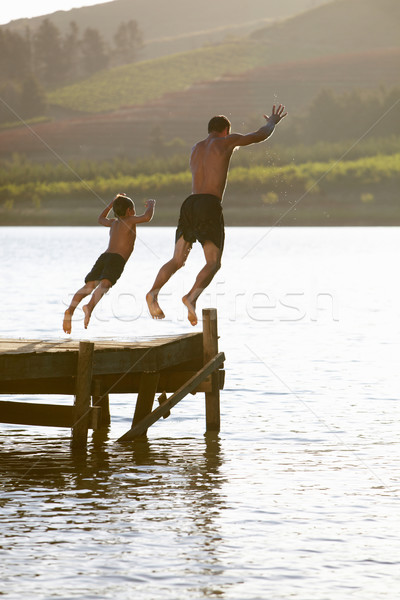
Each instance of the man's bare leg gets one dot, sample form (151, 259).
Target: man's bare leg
(97, 295)
(213, 262)
(181, 252)
(76, 299)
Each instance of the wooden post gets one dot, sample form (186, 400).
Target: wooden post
(82, 394)
(210, 349)
(147, 390)
(103, 401)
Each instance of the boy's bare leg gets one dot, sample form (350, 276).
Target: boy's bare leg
(181, 252)
(213, 262)
(97, 295)
(76, 299)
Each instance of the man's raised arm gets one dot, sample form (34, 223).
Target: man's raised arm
(237, 139)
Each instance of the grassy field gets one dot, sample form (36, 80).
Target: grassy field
(359, 191)
(139, 83)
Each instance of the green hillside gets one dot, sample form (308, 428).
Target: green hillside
(323, 31)
(139, 83)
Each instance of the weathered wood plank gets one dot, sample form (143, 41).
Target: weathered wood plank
(48, 415)
(41, 360)
(126, 383)
(160, 411)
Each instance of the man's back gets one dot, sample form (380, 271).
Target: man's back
(209, 163)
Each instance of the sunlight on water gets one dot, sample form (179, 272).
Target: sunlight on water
(296, 498)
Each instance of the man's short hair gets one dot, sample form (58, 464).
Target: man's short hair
(219, 123)
(121, 205)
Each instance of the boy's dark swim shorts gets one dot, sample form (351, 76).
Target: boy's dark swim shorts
(201, 219)
(109, 266)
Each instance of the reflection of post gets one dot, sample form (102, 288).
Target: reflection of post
(82, 394)
(210, 349)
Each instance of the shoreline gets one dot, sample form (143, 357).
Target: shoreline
(298, 216)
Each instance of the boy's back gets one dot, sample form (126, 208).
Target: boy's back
(122, 236)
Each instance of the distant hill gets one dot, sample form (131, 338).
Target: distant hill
(327, 47)
(171, 26)
(325, 30)
(335, 28)
(243, 98)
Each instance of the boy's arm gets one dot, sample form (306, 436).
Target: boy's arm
(236, 139)
(146, 216)
(103, 220)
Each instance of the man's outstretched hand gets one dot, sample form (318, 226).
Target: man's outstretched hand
(277, 114)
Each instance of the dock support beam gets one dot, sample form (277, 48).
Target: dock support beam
(145, 399)
(82, 395)
(210, 350)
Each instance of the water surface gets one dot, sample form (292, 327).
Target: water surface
(297, 497)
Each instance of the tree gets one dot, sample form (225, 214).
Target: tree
(9, 102)
(14, 55)
(94, 52)
(127, 41)
(48, 54)
(32, 99)
(71, 50)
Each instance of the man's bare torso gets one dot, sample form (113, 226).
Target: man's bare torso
(209, 163)
(122, 238)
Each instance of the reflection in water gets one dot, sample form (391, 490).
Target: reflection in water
(139, 499)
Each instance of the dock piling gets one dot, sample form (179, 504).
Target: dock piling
(210, 350)
(82, 394)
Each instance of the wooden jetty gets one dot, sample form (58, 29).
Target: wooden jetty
(91, 371)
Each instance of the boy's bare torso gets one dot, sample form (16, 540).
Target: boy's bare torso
(209, 163)
(122, 237)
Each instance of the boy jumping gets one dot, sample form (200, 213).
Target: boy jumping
(110, 265)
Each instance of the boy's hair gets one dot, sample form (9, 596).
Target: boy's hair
(121, 205)
(219, 123)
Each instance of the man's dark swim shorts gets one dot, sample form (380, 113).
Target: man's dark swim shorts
(109, 266)
(201, 219)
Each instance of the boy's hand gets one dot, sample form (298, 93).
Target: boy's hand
(150, 203)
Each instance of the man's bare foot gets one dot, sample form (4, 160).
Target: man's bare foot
(67, 325)
(191, 310)
(154, 307)
(88, 314)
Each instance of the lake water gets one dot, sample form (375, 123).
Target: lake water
(296, 498)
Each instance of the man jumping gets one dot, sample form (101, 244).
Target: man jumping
(201, 215)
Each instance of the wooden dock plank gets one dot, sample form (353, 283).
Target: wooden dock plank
(24, 359)
(48, 415)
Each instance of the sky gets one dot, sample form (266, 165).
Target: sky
(21, 9)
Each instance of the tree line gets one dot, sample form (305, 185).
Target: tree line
(32, 63)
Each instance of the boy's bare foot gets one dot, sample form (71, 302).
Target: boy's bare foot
(154, 307)
(67, 325)
(88, 314)
(191, 310)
